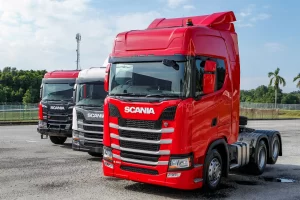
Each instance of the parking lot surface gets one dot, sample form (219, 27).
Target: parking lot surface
(31, 168)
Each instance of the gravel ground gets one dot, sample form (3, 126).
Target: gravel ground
(31, 168)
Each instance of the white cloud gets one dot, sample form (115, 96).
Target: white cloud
(249, 15)
(274, 46)
(189, 7)
(39, 34)
(262, 16)
(176, 3)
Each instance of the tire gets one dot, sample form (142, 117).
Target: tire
(95, 154)
(58, 140)
(275, 147)
(213, 168)
(257, 167)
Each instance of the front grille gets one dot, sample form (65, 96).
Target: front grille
(139, 156)
(139, 170)
(140, 135)
(90, 144)
(139, 146)
(93, 128)
(95, 136)
(58, 117)
(146, 124)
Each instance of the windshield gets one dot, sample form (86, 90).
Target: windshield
(90, 94)
(58, 91)
(147, 79)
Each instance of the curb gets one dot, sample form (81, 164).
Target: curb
(274, 119)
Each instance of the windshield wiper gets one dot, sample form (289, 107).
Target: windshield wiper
(126, 94)
(162, 95)
(90, 105)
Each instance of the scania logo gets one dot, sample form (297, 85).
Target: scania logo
(139, 110)
(57, 108)
(95, 115)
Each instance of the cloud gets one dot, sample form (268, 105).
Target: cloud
(274, 46)
(39, 34)
(249, 15)
(189, 7)
(176, 3)
(262, 16)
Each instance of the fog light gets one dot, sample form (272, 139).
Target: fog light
(173, 175)
(107, 154)
(108, 164)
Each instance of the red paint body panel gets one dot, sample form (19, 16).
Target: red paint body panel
(62, 74)
(212, 35)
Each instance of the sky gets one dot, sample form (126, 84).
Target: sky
(40, 34)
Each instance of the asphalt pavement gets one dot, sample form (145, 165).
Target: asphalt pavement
(31, 168)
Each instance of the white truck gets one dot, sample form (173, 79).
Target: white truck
(87, 123)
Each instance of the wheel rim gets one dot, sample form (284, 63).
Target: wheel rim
(214, 171)
(275, 149)
(262, 158)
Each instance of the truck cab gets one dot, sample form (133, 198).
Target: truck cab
(171, 117)
(55, 107)
(88, 112)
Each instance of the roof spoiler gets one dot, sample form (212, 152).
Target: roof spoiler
(212, 20)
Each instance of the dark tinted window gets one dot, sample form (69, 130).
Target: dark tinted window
(221, 71)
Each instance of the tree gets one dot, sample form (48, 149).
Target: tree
(276, 80)
(296, 78)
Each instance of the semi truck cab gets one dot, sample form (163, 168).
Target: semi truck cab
(88, 112)
(171, 117)
(55, 107)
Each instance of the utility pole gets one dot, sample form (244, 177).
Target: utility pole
(78, 39)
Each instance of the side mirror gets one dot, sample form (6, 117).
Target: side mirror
(41, 91)
(74, 94)
(106, 79)
(209, 77)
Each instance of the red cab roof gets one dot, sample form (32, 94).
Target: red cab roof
(170, 36)
(62, 74)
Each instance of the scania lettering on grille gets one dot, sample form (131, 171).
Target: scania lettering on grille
(57, 108)
(139, 110)
(95, 115)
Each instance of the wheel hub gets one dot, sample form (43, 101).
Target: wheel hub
(275, 149)
(214, 171)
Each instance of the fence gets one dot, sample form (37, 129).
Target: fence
(270, 106)
(18, 112)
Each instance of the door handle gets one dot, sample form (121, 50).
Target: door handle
(214, 122)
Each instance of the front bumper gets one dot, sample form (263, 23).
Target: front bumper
(78, 145)
(188, 179)
(55, 132)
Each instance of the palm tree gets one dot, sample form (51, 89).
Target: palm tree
(276, 80)
(296, 78)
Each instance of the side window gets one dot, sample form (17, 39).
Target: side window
(220, 73)
(199, 76)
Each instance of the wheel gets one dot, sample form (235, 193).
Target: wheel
(257, 167)
(212, 170)
(95, 154)
(58, 140)
(275, 146)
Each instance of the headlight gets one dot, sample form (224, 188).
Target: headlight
(107, 154)
(180, 163)
(42, 124)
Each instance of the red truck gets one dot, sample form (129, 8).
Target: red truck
(56, 105)
(171, 116)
